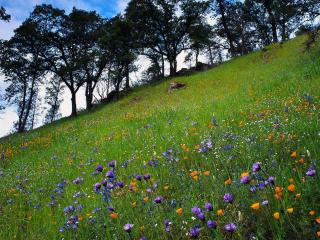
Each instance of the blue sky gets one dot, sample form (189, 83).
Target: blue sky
(20, 10)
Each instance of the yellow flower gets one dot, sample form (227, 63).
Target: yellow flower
(220, 212)
(298, 195)
(276, 215)
(293, 154)
(207, 173)
(196, 178)
(290, 210)
(291, 180)
(255, 206)
(244, 174)
(145, 199)
(134, 204)
(179, 211)
(166, 187)
(312, 212)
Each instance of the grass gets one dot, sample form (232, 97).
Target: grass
(266, 106)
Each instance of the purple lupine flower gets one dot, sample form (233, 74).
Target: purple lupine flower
(120, 184)
(78, 180)
(146, 177)
(99, 168)
(253, 188)
(201, 216)
(110, 174)
(111, 209)
(228, 198)
(166, 222)
(245, 179)
(110, 186)
(311, 172)
(104, 182)
(256, 167)
(194, 232)
(230, 227)
(128, 227)
(97, 186)
(196, 210)
(262, 186)
(208, 206)
(212, 224)
(265, 203)
(158, 199)
(112, 164)
(271, 179)
(139, 177)
(143, 238)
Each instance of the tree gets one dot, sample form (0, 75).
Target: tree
(23, 68)
(162, 26)
(54, 90)
(118, 42)
(63, 46)
(3, 15)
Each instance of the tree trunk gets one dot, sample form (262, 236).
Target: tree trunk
(89, 95)
(210, 55)
(162, 65)
(73, 104)
(197, 56)
(127, 86)
(225, 27)
(273, 24)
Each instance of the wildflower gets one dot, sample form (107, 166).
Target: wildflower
(290, 210)
(120, 184)
(196, 210)
(146, 177)
(298, 195)
(318, 220)
(228, 198)
(291, 180)
(139, 177)
(212, 224)
(143, 238)
(244, 174)
(112, 164)
(201, 216)
(255, 206)
(228, 181)
(206, 173)
(145, 199)
(265, 203)
(271, 179)
(312, 212)
(245, 179)
(220, 212)
(311, 172)
(99, 168)
(230, 227)
(276, 215)
(293, 154)
(194, 232)
(291, 187)
(78, 180)
(114, 215)
(208, 206)
(110, 174)
(128, 227)
(318, 234)
(158, 199)
(97, 186)
(179, 211)
(256, 167)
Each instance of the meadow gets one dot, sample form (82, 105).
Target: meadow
(234, 155)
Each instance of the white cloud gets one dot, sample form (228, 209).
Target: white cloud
(121, 5)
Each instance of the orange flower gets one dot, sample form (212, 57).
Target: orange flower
(301, 161)
(318, 220)
(228, 182)
(318, 234)
(207, 173)
(255, 206)
(220, 212)
(145, 199)
(114, 215)
(276, 215)
(312, 212)
(179, 211)
(196, 178)
(194, 173)
(80, 218)
(293, 154)
(291, 187)
(290, 210)
(278, 190)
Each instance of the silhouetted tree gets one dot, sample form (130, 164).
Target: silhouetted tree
(3, 15)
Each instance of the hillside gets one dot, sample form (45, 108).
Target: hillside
(198, 144)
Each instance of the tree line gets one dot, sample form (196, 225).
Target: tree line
(81, 49)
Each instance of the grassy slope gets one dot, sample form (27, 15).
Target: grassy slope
(149, 121)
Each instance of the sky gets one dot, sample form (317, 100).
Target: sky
(19, 11)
